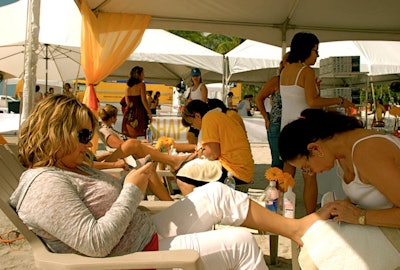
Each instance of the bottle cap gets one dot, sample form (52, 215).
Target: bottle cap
(230, 174)
(272, 183)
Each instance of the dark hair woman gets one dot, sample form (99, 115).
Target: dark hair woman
(299, 90)
(137, 114)
(368, 163)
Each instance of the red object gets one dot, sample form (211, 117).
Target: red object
(153, 244)
(123, 104)
(93, 101)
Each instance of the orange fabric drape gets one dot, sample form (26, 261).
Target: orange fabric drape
(19, 88)
(107, 40)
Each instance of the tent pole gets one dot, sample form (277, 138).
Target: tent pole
(224, 77)
(30, 57)
(47, 65)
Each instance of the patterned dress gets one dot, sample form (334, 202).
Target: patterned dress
(135, 116)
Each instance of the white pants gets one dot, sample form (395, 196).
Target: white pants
(187, 225)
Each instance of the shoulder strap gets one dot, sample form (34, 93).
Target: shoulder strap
(298, 74)
(355, 144)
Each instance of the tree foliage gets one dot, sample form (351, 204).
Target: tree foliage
(216, 42)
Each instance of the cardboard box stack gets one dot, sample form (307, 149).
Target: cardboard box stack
(339, 64)
(352, 94)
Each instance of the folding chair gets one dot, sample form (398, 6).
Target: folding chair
(10, 171)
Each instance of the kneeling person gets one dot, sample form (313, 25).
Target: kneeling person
(224, 144)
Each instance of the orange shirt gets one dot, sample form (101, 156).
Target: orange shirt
(236, 157)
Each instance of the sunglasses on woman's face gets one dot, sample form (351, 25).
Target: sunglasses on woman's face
(85, 136)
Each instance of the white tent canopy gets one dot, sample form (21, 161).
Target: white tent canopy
(252, 55)
(270, 21)
(60, 23)
(255, 62)
(63, 58)
(168, 58)
(376, 57)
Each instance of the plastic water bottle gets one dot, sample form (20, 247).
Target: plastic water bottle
(272, 197)
(289, 203)
(149, 134)
(230, 181)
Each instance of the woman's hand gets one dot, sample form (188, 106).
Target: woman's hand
(120, 163)
(318, 83)
(344, 211)
(267, 123)
(140, 177)
(325, 212)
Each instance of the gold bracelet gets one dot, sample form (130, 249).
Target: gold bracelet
(361, 218)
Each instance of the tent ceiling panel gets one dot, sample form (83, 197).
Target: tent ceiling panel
(164, 47)
(268, 20)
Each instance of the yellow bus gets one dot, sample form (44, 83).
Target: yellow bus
(113, 91)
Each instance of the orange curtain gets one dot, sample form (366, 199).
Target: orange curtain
(19, 88)
(107, 39)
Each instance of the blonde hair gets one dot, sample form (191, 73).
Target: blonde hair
(283, 62)
(52, 129)
(108, 112)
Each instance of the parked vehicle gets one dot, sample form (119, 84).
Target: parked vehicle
(4, 103)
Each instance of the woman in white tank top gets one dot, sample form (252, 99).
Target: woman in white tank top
(198, 91)
(299, 90)
(368, 163)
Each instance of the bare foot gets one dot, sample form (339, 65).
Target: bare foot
(181, 160)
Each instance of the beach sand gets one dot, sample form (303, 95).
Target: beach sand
(19, 255)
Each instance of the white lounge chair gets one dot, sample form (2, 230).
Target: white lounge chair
(10, 171)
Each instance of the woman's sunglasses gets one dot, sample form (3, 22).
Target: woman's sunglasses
(85, 136)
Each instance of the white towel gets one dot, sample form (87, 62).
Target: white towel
(329, 245)
(201, 170)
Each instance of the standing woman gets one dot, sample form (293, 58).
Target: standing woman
(273, 119)
(299, 90)
(198, 91)
(154, 104)
(137, 114)
(229, 102)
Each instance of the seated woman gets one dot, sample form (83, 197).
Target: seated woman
(77, 209)
(368, 163)
(127, 146)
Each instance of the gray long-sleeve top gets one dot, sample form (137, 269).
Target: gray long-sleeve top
(73, 213)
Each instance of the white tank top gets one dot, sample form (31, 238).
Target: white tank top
(293, 101)
(196, 93)
(364, 195)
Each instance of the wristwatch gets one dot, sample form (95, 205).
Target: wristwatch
(361, 218)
